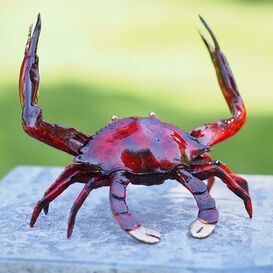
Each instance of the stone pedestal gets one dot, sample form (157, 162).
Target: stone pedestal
(238, 244)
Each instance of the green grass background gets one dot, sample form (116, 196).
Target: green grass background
(130, 57)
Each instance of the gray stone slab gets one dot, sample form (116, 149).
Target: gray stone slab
(98, 245)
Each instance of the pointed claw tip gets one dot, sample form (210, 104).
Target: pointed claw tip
(203, 21)
(200, 17)
(216, 45)
(37, 25)
(33, 37)
(250, 213)
(199, 26)
(248, 206)
(250, 210)
(39, 19)
(46, 209)
(69, 233)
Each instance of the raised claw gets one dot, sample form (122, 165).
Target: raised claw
(208, 44)
(200, 230)
(212, 133)
(33, 38)
(145, 235)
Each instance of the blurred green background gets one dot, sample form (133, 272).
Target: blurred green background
(99, 58)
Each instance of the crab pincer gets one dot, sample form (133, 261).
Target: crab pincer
(215, 132)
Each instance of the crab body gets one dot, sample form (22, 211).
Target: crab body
(137, 150)
(141, 146)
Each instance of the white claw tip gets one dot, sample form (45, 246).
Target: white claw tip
(114, 118)
(152, 114)
(145, 235)
(201, 230)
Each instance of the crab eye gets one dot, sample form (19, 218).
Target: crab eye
(114, 118)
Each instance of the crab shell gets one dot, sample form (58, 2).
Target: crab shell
(140, 145)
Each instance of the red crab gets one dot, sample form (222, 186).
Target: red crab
(137, 150)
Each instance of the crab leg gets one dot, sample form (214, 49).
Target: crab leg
(239, 188)
(83, 174)
(70, 175)
(205, 158)
(212, 133)
(120, 210)
(66, 139)
(238, 179)
(92, 184)
(208, 214)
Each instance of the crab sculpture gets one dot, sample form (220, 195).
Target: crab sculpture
(137, 150)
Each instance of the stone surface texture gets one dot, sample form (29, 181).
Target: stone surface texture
(238, 243)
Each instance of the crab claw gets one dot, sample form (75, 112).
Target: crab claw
(201, 230)
(208, 44)
(29, 73)
(145, 235)
(33, 38)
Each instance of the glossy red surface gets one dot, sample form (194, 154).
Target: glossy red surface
(140, 145)
(212, 133)
(136, 150)
(66, 139)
